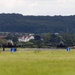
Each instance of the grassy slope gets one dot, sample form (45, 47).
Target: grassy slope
(50, 62)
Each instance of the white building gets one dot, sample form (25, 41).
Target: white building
(10, 41)
(25, 38)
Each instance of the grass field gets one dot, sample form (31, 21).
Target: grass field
(47, 62)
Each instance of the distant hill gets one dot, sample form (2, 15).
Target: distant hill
(37, 24)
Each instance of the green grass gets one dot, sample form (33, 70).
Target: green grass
(49, 62)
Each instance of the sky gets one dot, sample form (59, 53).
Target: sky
(38, 7)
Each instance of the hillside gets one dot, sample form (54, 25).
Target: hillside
(37, 24)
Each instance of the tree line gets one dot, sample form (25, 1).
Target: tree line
(37, 24)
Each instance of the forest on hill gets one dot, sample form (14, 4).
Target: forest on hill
(36, 24)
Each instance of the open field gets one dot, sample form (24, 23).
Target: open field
(33, 62)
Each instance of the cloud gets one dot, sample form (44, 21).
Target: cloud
(38, 7)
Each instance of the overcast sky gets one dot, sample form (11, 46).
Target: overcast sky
(38, 7)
